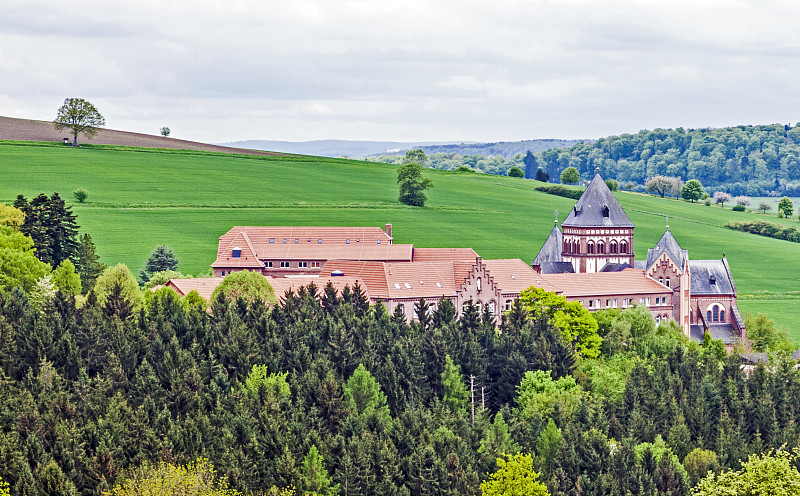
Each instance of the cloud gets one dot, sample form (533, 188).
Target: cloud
(412, 70)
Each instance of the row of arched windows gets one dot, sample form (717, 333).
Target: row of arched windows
(715, 314)
(599, 247)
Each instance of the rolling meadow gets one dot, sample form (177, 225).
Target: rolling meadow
(141, 198)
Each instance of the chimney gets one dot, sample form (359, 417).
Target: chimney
(388, 230)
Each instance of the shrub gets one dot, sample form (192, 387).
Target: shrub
(612, 184)
(559, 190)
(80, 194)
(516, 172)
(738, 208)
(708, 202)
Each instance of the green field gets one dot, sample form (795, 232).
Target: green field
(142, 198)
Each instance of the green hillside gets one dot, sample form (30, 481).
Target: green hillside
(141, 198)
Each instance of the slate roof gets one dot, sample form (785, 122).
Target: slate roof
(669, 245)
(701, 274)
(588, 212)
(551, 249)
(557, 268)
(628, 281)
(615, 267)
(725, 332)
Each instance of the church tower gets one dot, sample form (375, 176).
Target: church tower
(597, 231)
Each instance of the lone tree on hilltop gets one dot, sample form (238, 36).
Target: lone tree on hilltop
(412, 185)
(165, 131)
(416, 156)
(79, 116)
(570, 176)
(692, 190)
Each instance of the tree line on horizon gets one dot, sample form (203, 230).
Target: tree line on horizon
(761, 160)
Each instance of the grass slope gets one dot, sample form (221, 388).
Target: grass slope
(140, 198)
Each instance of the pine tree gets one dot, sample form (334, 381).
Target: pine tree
(88, 263)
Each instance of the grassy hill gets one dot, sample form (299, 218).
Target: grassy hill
(140, 198)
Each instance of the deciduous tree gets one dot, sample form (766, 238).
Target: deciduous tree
(245, 284)
(786, 206)
(570, 175)
(692, 190)
(514, 477)
(412, 185)
(80, 117)
(772, 473)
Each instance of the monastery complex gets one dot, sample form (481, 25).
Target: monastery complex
(589, 259)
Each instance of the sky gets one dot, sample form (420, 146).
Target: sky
(416, 70)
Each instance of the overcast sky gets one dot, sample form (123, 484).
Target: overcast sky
(417, 70)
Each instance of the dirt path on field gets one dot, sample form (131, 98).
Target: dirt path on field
(31, 130)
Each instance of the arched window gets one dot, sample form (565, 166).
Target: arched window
(612, 247)
(708, 315)
(664, 318)
(590, 247)
(491, 306)
(716, 313)
(509, 304)
(623, 247)
(658, 319)
(722, 315)
(402, 308)
(601, 248)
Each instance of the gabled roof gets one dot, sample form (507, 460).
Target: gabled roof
(203, 285)
(551, 249)
(710, 277)
(308, 243)
(444, 254)
(403, 280)
(590, 209)
(725, 332)
(669, 245)
(283, 284)
(628, 281)
(513, 276)
(615, 267)
(557, 268)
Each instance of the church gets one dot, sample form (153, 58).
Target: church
(596, 238)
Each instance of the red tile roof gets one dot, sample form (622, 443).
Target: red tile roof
(628, 281)
(204, 285)
(283, 284)
(513, 276)
(403, 280)
(444, 254)
(309, 243)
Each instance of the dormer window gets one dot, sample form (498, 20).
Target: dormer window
(605, 210)
(712, 279)
(236, 252)
(271, 240)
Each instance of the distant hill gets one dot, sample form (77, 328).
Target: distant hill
(505, 149)
(33, 130)
(363, 149)
(333, 148)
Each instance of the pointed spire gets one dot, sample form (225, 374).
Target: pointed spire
(556, 214)
(667, 222)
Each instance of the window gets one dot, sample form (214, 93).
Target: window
(716, 313)
(658, 319)
(612, 248)
(591, 303)
(319, 241)
(648, 301)
(296, 240)
(623, 247)
(708, 315)
(284, 240)
(284, 265)
(347, 241)
(722, 315)
(315, 265)
(223, 273)
(601, 248)
(379, 241)
(272, 240)
(491, 306)
(590, 247)
(661, 281)
(615, 303)
(402, 308)
(608, 303)
(666, 282)
(302, 265)
(407, 285)
(509, 304)
(397, 286)
(309, 240)
(268, 264)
